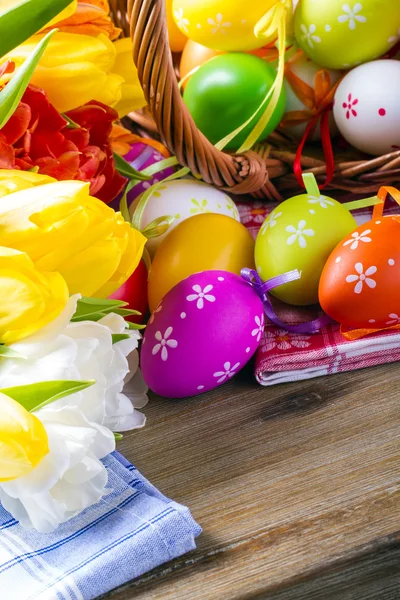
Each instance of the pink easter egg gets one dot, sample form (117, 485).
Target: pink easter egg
(202, 333)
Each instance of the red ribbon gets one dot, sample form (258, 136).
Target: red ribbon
(326, 147)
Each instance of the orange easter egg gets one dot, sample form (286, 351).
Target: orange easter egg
(194, 55)
(360, 283)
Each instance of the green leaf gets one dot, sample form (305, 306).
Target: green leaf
(96, 316)
(37, 395)
(71, 123)
(6, 352)
(101, 301)
(118, 437)
(118, 337)
(86, 307)
(18, 23)
(94, 309)
(126, 312)
(135, 326)
(12, 93)
(125, 169)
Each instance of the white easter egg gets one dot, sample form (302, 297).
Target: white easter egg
(367, 110)
(181, 199)
(306, 70)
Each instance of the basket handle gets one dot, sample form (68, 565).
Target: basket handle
(238, 174)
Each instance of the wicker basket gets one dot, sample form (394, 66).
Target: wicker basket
(267, 170)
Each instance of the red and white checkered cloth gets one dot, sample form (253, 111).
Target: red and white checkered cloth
(284, 356)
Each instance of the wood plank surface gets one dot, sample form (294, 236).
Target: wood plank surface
(296, 487)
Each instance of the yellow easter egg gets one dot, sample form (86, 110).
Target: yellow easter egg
(226, 25)
(206, 242)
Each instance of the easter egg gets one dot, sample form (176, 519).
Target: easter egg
(300, 234)
(134, 292)
(226, 91)
(359, 285)
(202, 243)
(203, 332)
(181, 199)
(301, 70)
(366, 108)
(177, 39)
(226, 25)
(193, 56)
(340, 35)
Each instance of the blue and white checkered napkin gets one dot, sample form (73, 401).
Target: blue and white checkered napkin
(132, 530)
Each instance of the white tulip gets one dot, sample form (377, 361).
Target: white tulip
(84, 350)
(68, 479)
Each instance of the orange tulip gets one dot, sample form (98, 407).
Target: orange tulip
(121, 140)
(90, 18)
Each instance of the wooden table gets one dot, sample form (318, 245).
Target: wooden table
(295, 486)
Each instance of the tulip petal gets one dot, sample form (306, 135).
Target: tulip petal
(23, 440)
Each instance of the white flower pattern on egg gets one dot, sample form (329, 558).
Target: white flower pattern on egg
(227, 373)
(394, 38)
(181, 21)
(323, 201)
(299, 233)
(258, 331)
(309, 35)
(357, 238)
(362, 277)
(352, 15)
(201, 295)
(199, 206)
(270, 221)
(218, 26)
(164, 342)
(394, 319)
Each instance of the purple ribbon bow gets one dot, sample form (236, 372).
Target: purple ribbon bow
(263, 287)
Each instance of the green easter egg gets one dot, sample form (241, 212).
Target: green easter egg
(300, 234)
(226, 91)
(340, 35)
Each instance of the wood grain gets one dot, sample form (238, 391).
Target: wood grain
(296, 488)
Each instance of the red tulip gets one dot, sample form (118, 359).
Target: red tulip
(38, 136)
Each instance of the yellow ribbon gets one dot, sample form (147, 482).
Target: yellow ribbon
(274, 21)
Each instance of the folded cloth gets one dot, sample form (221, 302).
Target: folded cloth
(132, 530)
(284, 356)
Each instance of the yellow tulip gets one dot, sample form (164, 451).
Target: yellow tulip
(74, 69)
(23, 440)
(29, 298)
(62, 228)
(12, 181)
(132, 97)
(77, 68)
